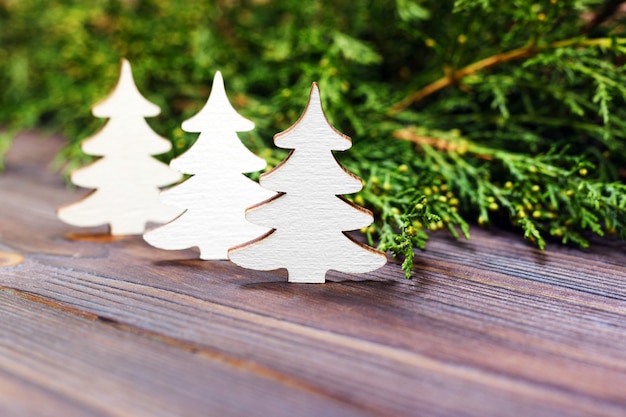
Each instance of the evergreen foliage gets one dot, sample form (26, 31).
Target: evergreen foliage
(488, 111)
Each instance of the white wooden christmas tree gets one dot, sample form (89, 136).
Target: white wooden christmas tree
(216, 196)
(127, 178)
(310, 217)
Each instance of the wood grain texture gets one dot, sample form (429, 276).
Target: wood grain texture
(215, 198)
(308, 217)
(133, 375)
(127, 179)
(488, 327)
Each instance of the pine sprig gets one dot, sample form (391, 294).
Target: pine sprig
(513, 116)
(545, 195)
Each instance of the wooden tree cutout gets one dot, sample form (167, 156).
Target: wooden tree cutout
(216, 196)
(309, 217)
(127, 178)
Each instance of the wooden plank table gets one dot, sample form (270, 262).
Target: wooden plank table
(488, 327)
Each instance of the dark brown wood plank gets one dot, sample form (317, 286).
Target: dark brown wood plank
(54, 361)
(486, 327)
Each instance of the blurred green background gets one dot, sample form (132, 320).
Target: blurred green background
(524, 126)
(57, 58)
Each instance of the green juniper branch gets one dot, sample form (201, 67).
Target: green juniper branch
(502, 58)
(500, 113)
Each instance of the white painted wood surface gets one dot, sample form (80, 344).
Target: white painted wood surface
(216, 196)
(308, 219)
(127, 178)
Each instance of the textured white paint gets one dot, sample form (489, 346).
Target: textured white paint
(308, 219)
(216, 197)
(127, 177)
